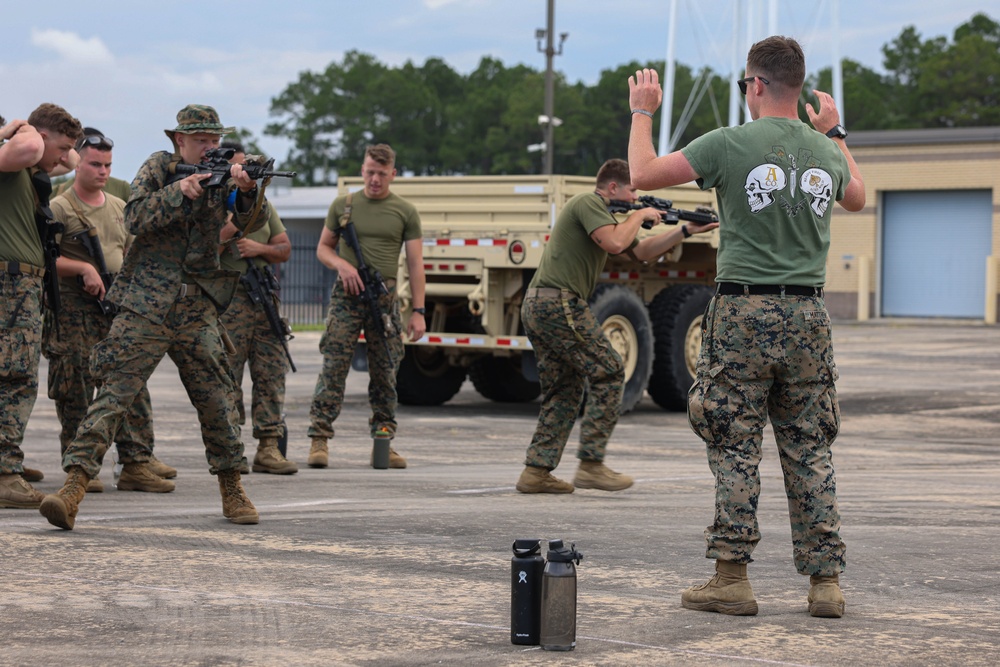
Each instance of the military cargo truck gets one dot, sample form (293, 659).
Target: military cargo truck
(483, 240)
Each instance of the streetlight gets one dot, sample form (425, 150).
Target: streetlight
(550, 51)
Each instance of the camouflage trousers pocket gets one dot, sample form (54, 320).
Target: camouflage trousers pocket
(66, 379)
(700, 415)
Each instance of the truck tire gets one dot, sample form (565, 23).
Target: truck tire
(677, 313)
(500, 379)
(426, 378)
(625, 321)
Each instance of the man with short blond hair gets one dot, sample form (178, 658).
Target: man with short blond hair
(29, 150)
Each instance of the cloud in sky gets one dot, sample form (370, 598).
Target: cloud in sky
(72, 47)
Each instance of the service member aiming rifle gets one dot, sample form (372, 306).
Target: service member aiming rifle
(668, 214)
(217, 162)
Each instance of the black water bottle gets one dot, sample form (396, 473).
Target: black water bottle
(558, 629)
(526, 592)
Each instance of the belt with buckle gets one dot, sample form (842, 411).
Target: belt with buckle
(737, 289)
(18, 268)
(544, 292)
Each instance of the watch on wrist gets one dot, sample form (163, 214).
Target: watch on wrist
(422, 311)
(838, 131)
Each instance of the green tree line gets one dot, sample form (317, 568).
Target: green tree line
(443, 122)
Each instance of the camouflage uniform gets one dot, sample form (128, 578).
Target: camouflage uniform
(251, 334)
(170, 292)
(764, 358)
(21, 260)
(346, 316)
(573, 356)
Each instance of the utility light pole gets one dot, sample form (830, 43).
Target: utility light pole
(548, 120)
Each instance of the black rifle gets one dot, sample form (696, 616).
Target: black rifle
(92, 244)
(668, 214)
(48, 229)
(261, 285)
(374, 288)
(216, 162)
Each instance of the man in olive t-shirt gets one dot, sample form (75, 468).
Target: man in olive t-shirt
(384, 223)
(572, 351)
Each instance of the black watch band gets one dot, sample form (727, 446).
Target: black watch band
(685, 232)
(838, 131)
(422, 311)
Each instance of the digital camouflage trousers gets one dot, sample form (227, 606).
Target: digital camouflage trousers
(574, 357)
(255, 343)
(346, 317)
(20, 347)
(770, 358)
(71, 385)
(122, 363)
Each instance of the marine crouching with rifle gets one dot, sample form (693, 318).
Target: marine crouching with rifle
(383, 223)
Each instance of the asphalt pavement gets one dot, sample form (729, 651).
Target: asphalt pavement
(355, 566)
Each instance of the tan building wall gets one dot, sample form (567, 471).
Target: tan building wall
(948, 159)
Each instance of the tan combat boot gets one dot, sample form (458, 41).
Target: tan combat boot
(395, 460)
(540, 480)
(728, 592)
(825, 598)
(139, 477)
(61, 507)
(16, 493)
(319, 453)
(269, 459)
(31, 475)
(95, 486)
(596, 475)
(235, 505)
(161, 469)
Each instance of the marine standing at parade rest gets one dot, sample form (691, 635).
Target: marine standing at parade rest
(573, 354)
(253, 338)
(766, 351)
(385, 222)
(170, 293)
(36, 146)
(88, 212)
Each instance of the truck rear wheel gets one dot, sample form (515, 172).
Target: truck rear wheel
(625, 321)
(677, 314)
(426, 378)
(500, 379)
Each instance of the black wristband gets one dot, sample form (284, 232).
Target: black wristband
(422, 311)
(685, 232)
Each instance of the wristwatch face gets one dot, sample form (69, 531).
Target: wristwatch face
(837, 131)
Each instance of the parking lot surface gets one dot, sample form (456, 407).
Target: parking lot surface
(355, 566)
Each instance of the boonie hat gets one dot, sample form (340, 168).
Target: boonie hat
(195, 118)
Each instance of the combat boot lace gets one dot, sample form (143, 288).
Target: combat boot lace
(161, 469)
(16, 493)
(540, 480)
(269, 459)
(235, 505)
(596, 475)
(139, 477)
(825, 597)
(60, 508)
(319, 453)
(728, 592)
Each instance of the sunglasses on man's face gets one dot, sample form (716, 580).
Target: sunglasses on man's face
(95, 140)
(742, 83)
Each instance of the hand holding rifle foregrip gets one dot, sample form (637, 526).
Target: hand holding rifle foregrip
(668, 214)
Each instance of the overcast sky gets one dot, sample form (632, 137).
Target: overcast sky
(128, 67)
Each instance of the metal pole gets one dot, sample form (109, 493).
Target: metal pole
(666, 109)
(838, 79)
(549, 86)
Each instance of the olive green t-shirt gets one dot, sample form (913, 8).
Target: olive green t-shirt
(114, 186)
(571, 259)
(776, 180)
(78, 216)
(274, 226)
(19, 240)
(383, 226)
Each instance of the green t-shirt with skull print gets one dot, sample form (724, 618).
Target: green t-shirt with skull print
(776, 180)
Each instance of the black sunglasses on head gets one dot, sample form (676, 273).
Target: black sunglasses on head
(742, 83)
(94, 140)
